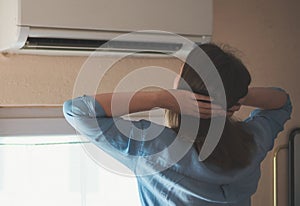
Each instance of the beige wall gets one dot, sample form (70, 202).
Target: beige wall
(266, 33)
(28, 79)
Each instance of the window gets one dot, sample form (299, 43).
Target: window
(42, 162)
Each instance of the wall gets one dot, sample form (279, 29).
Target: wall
(266, 33)
(48, 80)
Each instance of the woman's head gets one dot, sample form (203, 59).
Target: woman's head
(234, 75)
(235, 145)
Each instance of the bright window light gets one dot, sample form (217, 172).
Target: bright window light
(37, 171)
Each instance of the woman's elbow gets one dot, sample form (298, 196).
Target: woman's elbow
(75, 108)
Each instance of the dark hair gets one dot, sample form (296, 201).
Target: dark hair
(236, 145)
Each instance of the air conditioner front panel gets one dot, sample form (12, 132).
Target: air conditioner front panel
(67, 26)
(189, 17)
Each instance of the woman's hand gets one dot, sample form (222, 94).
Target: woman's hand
(189, 103)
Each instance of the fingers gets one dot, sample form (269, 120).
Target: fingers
(200, 97)
(208, 110)
(203, 107)
(214, 114)
(205, 116)
(208, 105)
(203, 112)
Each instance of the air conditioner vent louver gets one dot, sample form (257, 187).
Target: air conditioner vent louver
(92, 45)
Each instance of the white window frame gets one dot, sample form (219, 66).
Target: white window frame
(35, 120)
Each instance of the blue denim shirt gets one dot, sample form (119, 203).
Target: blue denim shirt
(188, 181)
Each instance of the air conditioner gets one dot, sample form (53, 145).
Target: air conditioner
(78, 27)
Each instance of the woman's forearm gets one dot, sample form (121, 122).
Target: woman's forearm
(264, 98)
(118, 104)
(179, 101)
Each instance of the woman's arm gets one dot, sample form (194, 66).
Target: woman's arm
(116, 104)
(264, 98)
(274, 110)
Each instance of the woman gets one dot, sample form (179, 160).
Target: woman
(229, 176)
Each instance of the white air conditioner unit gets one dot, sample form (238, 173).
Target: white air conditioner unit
(69, 27)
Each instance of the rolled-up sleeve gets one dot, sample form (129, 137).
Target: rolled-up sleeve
(88, 117)
(81, 114)
(266, 124)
